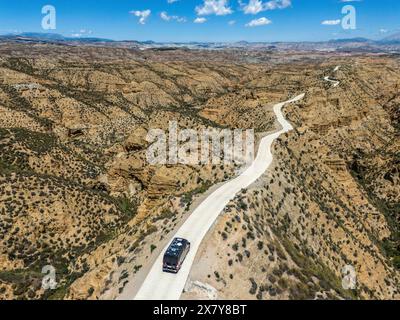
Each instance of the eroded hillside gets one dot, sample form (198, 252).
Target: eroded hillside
(77, 192)
(330, 200)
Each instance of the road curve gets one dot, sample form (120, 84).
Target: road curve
(335, 82)
(159, 285)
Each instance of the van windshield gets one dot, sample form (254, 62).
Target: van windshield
(170, 260)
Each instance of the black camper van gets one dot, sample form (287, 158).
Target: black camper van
(175, 255)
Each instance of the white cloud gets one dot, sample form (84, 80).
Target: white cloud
(217, 7)
(278, 4)
(200, 20)
(143, 15)
(81, 33)
(257, 6)
(330, 22)
(172, 1)
(253, 7)
(164, 15)
(383, 30)
(85, 31)
(259, 22)
(232, 22)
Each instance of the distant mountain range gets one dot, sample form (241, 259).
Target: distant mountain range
(390, 43)
(50, 37)
(393, 38)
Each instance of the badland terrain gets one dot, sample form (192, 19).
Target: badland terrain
(77, 194)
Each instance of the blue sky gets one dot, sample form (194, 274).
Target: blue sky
(222, 20)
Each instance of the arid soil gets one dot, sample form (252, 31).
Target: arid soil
(77, 193)
(330, 200)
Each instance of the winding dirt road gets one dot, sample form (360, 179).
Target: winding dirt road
(159, 285)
